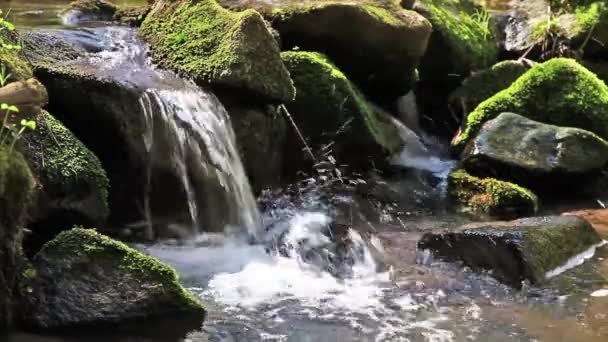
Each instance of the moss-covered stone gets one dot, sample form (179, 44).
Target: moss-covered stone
(16, 188)
(72, 178)
(530, 248)
(217, 47)
(559, 92)
(490, 196)
(11, 57)
(328, 108)
(83, 277)
(482, 85)
(462, 39)
(377, 47)
(90, 10)
(535, 154)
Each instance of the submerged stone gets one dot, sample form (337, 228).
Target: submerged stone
(85, 278)
(525, 249)
(378, 48)
(558, 92)
(329, 109)
(217, 47)
(490, 196)
(518, 149)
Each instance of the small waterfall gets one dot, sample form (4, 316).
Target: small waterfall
(203, 153)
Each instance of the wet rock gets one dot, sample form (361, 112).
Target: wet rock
(559, 92)
(132, 16)
(597, 217)
(261, 133)
(90, 10)
(217, 47)
(16, 189)
(329, 109)
(73, 186)
(84, 278)
(525, 249)
(378, 48)
(482, 85)
(529, 152)
(514, 32)
(490, 196)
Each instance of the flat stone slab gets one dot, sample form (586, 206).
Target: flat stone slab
(526, 249)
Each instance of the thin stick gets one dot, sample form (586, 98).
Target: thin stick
(300, 136)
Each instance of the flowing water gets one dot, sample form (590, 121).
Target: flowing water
(321, 270)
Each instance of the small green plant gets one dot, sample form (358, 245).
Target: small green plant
(4, 75)
(483, 18)
(10, 133)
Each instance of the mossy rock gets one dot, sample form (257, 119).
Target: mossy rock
(329, 108)
(90, 10)
(85, 278)
(490, 196)
(73, 183)
(559, 92)
(462, 40)
(16, 189)
(377, 47)
(217, 47)
(482, 85)
(12, 58)
(526, 249)
(535, 154)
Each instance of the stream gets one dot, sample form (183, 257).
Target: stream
(277, 274)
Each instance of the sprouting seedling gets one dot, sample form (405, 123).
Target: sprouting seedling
(25, 124)
(5, 129)
(4, 75)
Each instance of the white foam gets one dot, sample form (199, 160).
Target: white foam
(600, 293)
(576, 260)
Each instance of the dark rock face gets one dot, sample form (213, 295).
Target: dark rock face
(378, 49)
(514, 251)
(84, 278)
(518, 149)
(90, 10)
(16, 186)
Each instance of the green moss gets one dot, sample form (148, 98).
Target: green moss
(465, 29)
(323, 89)
(12, 59)
(61, 160)
(216, 46)
(490, 196)
(16, 187)
(559, 92)
(94, 246)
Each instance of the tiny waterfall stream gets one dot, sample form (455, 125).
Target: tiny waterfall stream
(299, 282)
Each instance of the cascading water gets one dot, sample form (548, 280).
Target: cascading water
(188, 131)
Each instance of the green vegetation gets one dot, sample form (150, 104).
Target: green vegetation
(16, 188)
(559, 92)
(491, 196)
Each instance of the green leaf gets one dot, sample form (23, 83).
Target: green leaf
(29, 124)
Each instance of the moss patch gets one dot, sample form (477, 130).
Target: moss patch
(90, 245)
(491, 196)
(462, 40)
(559, 92)
(215, 46)
(12, 58)
(16, 187)
(326, 100)
(64, 164)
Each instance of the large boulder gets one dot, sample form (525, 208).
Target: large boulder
(481, 85)
(529, 152)
(527, 249)
(84, 278)
(559, 92)
(489, 196)
(73, 186)
(16, 189)
(90, 10)
(378, 48)
(462, 39)
(329, 109)
(216, 47)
